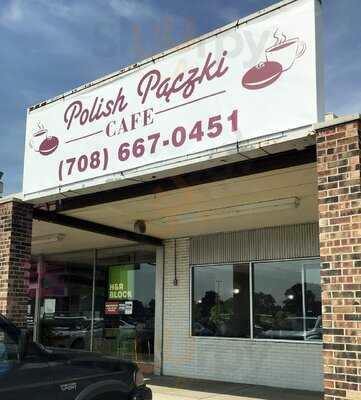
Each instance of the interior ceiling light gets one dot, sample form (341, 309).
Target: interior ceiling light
(58, 237)
(233, 211)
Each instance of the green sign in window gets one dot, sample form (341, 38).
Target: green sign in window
(121, 282)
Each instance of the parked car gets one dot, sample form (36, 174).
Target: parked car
(201, 330)
(70, 332)
(293, 329)
(32, 371)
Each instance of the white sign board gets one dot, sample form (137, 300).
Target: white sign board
(49, 306)
(248, 81)
(128, 308)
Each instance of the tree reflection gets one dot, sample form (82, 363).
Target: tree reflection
(265, 303)
(286, 300)
(274, 320)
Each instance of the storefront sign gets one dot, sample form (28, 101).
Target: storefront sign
(111, 308)
(121, 282)
(247, 81)
(128, 308)
(49, 306)
(118, 308)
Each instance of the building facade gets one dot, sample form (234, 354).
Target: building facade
(197, 235)
(197, 331)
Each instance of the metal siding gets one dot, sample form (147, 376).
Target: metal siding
(280, 242)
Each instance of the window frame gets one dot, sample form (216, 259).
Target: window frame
(251, 287)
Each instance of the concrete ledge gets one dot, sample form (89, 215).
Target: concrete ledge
(336, 121)
(17, 197)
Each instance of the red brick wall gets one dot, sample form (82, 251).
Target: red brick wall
(15, 252)
(339, 191)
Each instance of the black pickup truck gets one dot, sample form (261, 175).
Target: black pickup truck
(33, 372)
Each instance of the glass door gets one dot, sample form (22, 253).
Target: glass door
(101, 301)
(124, 304)
(64, 300)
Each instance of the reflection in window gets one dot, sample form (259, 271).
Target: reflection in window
(8, 348)
(66, 300)
(125, 303)
(287, 300)
(121, 323)
(220, 304)
(32, 280)
(313, 305)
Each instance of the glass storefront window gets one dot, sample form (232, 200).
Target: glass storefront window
(32, 289)
(95, 300)
(125, 304)
(66, 300)
(313, 304)
(286, 300)
(221, 301)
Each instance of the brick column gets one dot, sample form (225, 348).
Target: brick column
(15, 252)
(339, 192)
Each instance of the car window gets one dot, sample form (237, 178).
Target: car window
(8, 347)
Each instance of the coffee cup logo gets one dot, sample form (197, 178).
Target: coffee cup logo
(279, 58)
(43, 143)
